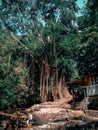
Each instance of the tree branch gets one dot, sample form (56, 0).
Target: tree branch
(24, 46)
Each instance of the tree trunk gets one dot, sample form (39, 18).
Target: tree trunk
(41, 81)
(51, 91)
(55, 88)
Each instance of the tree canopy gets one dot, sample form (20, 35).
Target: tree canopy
(21, 17)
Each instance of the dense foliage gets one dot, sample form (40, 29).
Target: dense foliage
(21, 17)
(88, 48)
(14, 74)
(8, 79)
(88, 51)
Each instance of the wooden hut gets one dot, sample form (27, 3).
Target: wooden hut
(88, 83)
(86, 86)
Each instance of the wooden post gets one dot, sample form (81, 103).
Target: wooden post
(85, 96)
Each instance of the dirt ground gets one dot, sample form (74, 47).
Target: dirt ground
(57, 115)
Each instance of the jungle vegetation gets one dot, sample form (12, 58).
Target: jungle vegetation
(44, 44)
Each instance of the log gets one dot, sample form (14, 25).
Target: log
(90, 118)
(13, 115)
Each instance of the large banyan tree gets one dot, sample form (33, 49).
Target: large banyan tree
(46, 29)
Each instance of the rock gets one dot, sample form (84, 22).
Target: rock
(4, 124)
(37, 121)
